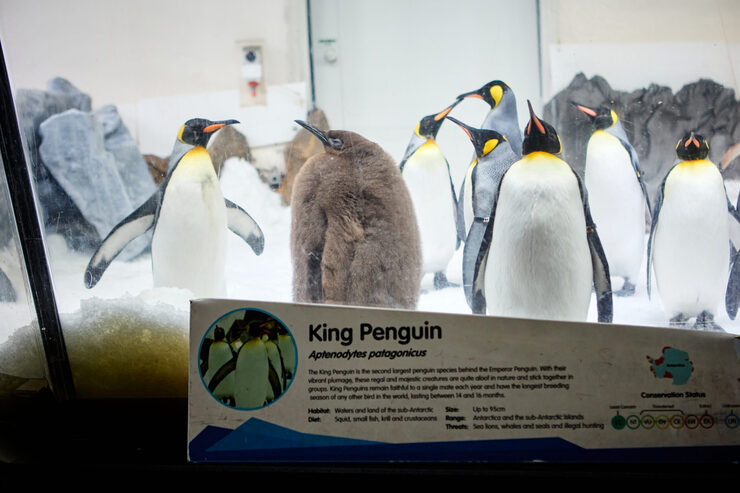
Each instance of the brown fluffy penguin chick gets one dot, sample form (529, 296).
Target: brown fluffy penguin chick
(354, 237)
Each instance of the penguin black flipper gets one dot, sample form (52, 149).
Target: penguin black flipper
(653, 226)
(602, 279)
(734, 227)
(455, 206)
(134, 225)
(307, 243)
(242, 224)
(274, 380)
(461, 233)
(222, 373)
(475, 258)
(638, 172)
(732, 294)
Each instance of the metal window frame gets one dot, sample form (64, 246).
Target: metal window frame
(20, 189)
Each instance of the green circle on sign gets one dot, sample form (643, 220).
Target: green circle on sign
(618, 422)
(648, 422)
(633, 422)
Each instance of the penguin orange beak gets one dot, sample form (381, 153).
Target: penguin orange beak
(217, 125)
(584, 109)
(442, 114)
(533, 119)
(465, 128)
(471, 94)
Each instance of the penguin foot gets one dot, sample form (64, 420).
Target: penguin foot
(628, 289)
(705, 321)
(441, 282)
(679, 320)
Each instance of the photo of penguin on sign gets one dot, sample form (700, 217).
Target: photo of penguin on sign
(247, 359)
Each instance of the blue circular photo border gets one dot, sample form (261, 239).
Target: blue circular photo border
(210, 330)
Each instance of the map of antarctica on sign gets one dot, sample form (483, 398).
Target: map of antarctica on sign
(674, 364)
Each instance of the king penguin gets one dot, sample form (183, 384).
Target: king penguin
(354, 236)
(689, 244)
(427, 175)
(493, 159)
(219, 354)
(189, 215)
(544, 254)
(501, 117)
(616, 194)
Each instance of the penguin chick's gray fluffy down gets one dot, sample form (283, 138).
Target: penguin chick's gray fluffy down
(354, 237)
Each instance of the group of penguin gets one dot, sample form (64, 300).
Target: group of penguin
(249, 365)
(543, 255)
(529, 223)
(360, 235)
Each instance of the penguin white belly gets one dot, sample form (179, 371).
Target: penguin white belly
(189, 242)
(539, 265)
(428, 181)
(251, 375)
(691, 240)
(616, 202)
(218, 355)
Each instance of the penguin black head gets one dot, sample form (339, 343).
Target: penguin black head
(492, 93)
(539, 136)
(484, 140)
(692, 147)
(333, 142)
(430, 125)
(219, 334)
(601, 117)
(198, 131)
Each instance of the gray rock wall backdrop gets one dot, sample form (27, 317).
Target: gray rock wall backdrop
(88, 171)
(654, 119)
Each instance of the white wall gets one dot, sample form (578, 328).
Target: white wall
(398, 61)
(163, 61)
(633, 43)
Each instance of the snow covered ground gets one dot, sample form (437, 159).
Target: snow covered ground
(126, 309)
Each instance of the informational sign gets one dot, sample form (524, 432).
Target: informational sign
(296, 382)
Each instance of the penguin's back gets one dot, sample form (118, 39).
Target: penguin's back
(371, 253)
(616, 202)
(540, 264)
(691, 240)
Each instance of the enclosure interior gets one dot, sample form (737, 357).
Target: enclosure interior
(102, 88)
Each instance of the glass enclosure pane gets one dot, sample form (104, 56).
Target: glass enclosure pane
(21, 356)
(100, 107)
